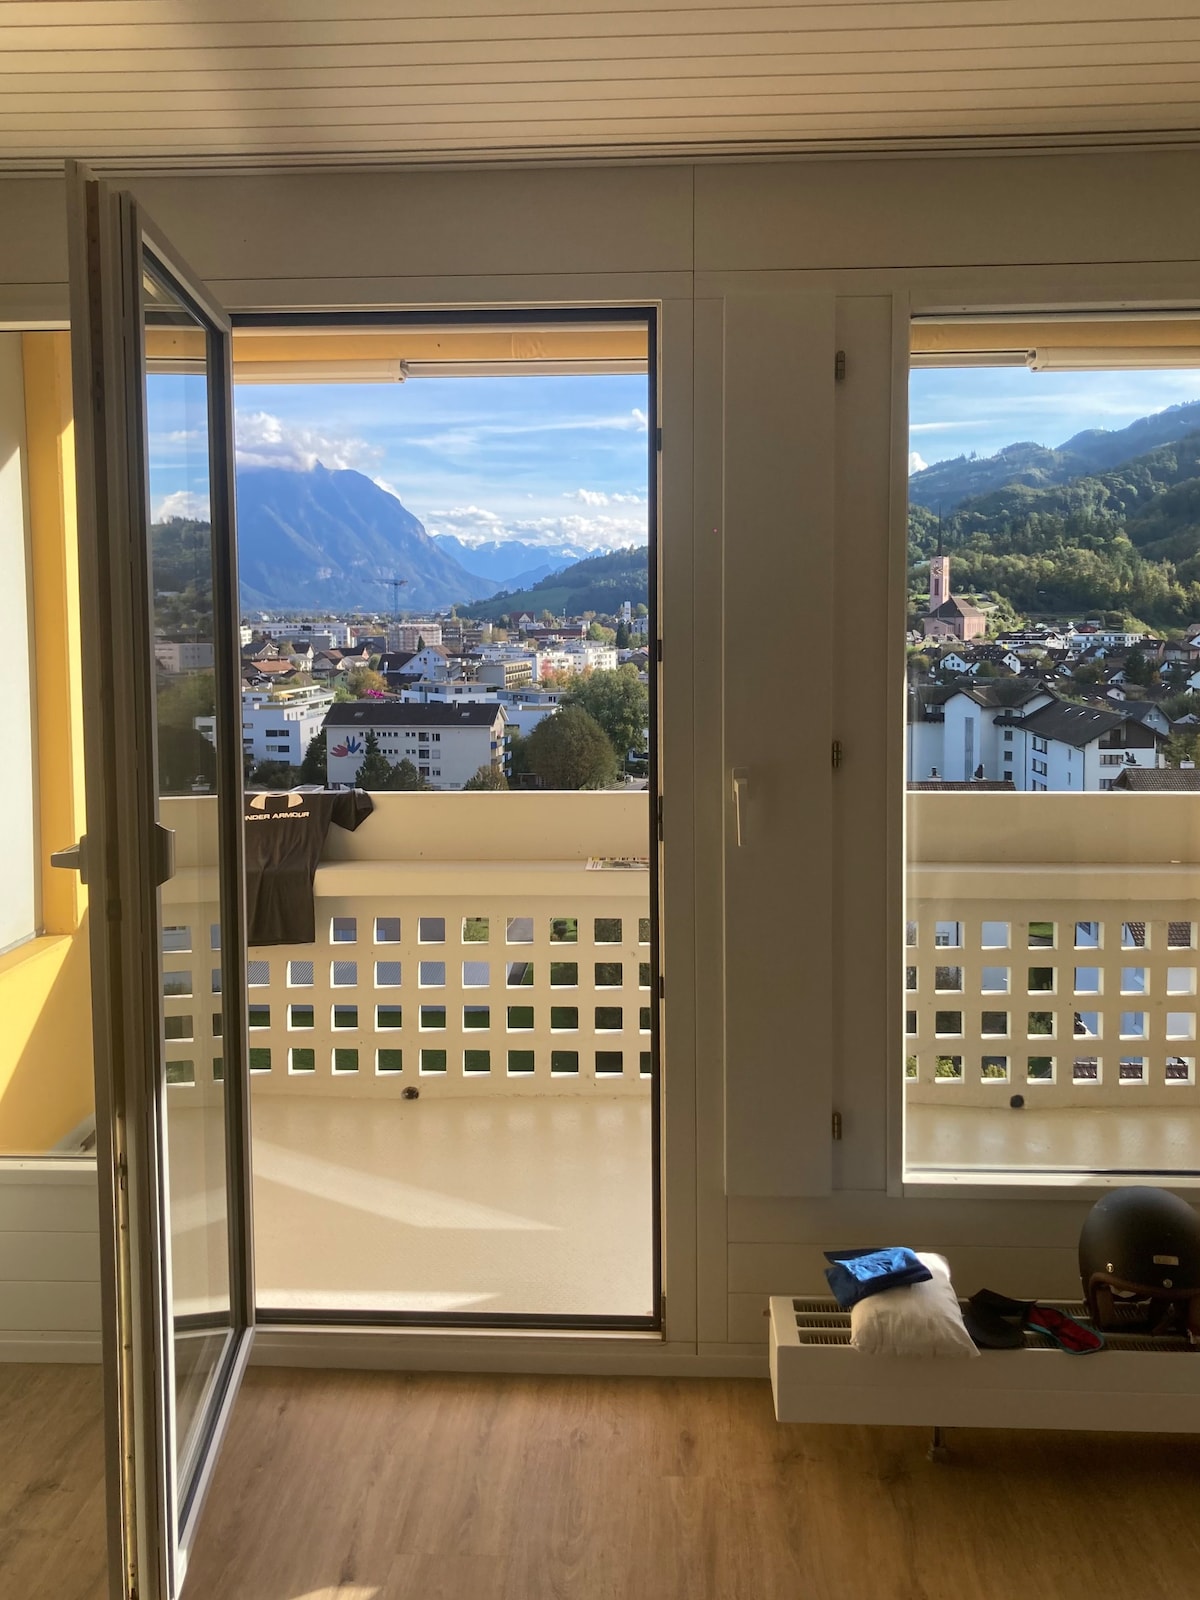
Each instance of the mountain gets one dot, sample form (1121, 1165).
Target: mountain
(512, 562)
(1126, 539)
(322, 540)
(946, 484)
(599, 583)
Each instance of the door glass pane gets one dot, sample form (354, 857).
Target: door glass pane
(1053, 735)
(182, 581)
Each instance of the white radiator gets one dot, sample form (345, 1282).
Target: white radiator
(1136, 1384)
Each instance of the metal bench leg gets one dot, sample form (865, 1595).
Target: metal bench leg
(938, 1450)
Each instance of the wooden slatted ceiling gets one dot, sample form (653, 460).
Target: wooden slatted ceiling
(129, 82)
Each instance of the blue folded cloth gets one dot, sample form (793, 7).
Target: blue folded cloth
(855, 1274)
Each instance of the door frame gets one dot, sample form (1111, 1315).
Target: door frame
(151, 1519)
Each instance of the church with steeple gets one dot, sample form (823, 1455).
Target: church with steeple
(949, 617)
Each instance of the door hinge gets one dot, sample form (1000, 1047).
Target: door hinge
(662, 1312)
(839, 366)
(122, 1174)
(835, 753)
(658, 439)
(662, 987)
(658, 815)
(837, 1125)
(658, 649)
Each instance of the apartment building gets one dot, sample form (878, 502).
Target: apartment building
(447, 743)
(278, 724)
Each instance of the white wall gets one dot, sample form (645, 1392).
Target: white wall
(19, 909)
(744, 260)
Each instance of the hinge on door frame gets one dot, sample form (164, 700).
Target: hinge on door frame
(836, 1126)
(839, 366)
(662, 1311)
(658, 815)
(658, 440)
(658, 649)
(662, 987)
(835, 753)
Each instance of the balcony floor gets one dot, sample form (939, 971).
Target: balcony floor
(1066, 1139)
(452, 1204)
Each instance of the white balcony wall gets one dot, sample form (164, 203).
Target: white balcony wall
(876, 239)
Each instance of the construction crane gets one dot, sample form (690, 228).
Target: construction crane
(395, 585)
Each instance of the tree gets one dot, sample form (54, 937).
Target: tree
(362, 681)
(273, 775)
(314, 768)
(1181, 747)
(570, 750)
(619, 702)
(487, 777)
(403, 776)
(420, 643)
(376, 770)
(185, 760)
(622, 636)
(1137, 668)
(601, 634)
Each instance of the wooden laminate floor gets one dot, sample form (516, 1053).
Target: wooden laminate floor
(386, 1486)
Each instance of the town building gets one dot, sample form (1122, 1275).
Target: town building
(446, 743)
(278, 723)
(1024, 734)
(413, 636)
(183, 655)
(948, 616)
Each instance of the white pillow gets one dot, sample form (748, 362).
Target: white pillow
(919, 1319)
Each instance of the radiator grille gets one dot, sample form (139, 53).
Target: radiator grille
(822, 1321)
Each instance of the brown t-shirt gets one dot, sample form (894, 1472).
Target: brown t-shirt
(285, 834)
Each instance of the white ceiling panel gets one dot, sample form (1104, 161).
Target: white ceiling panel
(146, 83)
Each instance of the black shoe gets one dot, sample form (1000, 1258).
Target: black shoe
(994, 1321)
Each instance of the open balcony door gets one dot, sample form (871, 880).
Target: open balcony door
(153, 410)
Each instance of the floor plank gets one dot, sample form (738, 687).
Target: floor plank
(375, 1486)
(395, 1486)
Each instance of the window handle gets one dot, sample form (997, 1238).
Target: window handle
(741, 794)
(73, 859)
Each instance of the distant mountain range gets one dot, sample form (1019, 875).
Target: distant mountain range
(512, 562)
(326, 540)
(946, 484)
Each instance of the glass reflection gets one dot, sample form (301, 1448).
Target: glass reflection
(190, 960)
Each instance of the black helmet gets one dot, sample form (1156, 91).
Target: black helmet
(1143, 1245)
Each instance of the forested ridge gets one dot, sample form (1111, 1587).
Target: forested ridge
(1123, 539)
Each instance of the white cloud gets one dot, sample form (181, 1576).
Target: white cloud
(267, 441)
(598, 497)
(916, 463)
(469, 437)
(601, 530)
(182, 503)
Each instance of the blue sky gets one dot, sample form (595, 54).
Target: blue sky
(954, 410)
(547, 460)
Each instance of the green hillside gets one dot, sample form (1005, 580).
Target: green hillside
(1127, 539)
(600, 583)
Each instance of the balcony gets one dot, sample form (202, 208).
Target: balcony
(450, 1087)
(1051, 984)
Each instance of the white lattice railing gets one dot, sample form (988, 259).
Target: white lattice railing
(436, 966)
(1052, 950)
